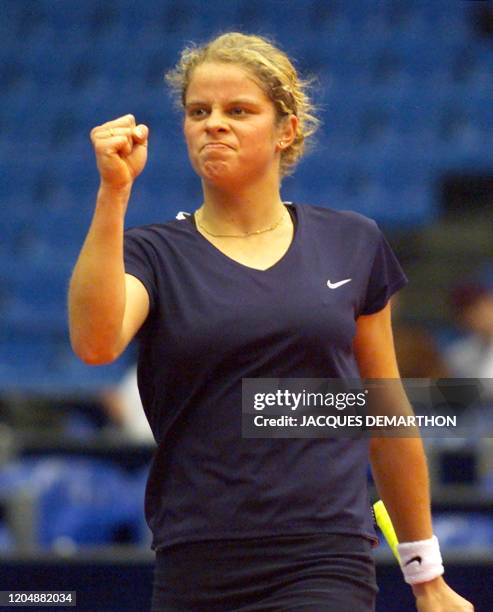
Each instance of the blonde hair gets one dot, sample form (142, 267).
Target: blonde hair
(274, 72)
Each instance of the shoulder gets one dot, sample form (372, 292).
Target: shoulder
(339, 220)
(161, 232)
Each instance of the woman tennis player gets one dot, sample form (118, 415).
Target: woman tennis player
(248, 286)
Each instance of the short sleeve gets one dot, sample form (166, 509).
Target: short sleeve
(386, 277)
(138, 260)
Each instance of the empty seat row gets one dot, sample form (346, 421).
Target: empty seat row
(191, 14)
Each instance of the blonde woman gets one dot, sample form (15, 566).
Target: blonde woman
(248, 286)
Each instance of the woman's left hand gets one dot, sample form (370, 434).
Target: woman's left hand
(437, 596)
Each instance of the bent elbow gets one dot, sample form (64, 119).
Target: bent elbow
(94, 356)
(95, 359)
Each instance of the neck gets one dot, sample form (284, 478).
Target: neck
(241, 211)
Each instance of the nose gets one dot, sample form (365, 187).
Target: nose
(216, 122)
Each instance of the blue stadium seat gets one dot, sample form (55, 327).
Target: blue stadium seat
(75, 499)
(28, 361)
(470, 531)
(7, 543)
(63, 17)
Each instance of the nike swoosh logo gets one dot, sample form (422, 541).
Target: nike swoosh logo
(417, 558)
(338, 284)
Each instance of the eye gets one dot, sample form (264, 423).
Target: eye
(197, 113)
(238, 111)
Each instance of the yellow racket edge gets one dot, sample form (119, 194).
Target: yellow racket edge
(384, 523)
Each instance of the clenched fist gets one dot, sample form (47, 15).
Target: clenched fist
(121, 151)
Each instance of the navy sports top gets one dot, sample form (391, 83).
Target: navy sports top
(214, 321)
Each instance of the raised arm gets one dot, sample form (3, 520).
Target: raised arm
(399, 464)
(107, 306)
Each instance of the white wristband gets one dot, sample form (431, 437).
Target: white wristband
(420, 561)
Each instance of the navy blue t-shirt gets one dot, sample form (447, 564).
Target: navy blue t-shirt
(214, 321)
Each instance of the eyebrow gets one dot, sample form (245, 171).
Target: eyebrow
(247, 101)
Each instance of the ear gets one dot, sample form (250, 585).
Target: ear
(287, 132)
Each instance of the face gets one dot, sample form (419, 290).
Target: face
(231, 128)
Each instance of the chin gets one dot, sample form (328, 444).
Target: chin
(217, 172)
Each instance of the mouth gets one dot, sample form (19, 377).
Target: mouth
(216, 145)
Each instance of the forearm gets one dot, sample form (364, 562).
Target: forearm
(97, 286)
(399, 464)
(401, 475)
